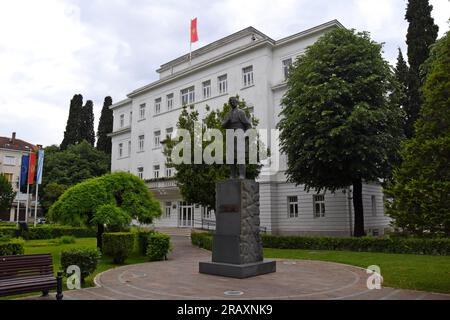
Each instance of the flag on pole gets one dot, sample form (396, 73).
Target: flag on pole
(194, 31)
(24, 173)
(40, 166)
(32, 168)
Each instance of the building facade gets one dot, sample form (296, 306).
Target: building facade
(11, 151)
(255, 67)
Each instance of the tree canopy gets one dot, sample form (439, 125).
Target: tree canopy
(7, 193)
(339, 126)
(112, 200)
(421, 187)
(63, 169)
(197, 182)
(422, 33)
(105, 127)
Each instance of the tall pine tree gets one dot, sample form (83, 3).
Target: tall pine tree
(72, 133)
(105, 126)
(87, 123)
(422, 33)
(401, 74)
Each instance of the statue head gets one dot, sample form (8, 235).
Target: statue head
(233, 102)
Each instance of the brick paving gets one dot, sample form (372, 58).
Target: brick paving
(178, 279)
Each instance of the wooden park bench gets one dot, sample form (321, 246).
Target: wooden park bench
(29, 273)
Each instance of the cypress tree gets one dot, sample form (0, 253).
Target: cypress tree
(72, 133)
(87, 123)
(422, 33)
(401, 74)
(105, 126)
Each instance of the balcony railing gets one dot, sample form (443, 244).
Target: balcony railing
(162, 184)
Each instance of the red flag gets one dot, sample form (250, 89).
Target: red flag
(194, 32)
(32, 168)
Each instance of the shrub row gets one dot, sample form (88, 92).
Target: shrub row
(365, 244)
(158, 246)
(120, 245)
(85, 258)
(202, 240)
(47, 232)
(11, 247)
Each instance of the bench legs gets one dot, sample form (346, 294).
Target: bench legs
(59, 294)
(45, 293)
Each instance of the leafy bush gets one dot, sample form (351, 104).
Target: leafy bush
(202, 240)
(366, 244)
(141, 240)
(158, 246)
(65, 240)
(8, 231)
(118, 245)
(12, 247)
(85, 258)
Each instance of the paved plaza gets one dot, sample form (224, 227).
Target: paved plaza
(178, 278)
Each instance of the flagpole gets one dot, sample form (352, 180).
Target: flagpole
(36, 204)
(18, 198)
(28, 200)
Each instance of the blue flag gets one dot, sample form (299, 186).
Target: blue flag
(40, 166)
(24, 173)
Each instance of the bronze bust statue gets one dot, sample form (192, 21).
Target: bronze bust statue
(237, 119)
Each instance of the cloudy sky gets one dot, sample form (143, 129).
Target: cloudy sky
(53, 49)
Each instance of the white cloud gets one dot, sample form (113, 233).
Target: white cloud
(53, 49)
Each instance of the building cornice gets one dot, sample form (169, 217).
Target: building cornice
(119, 132)
(120, 104)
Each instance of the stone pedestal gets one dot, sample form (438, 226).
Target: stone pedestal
(237, 245)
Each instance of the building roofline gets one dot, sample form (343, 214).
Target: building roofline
(265, 40)
(209, 47)
(321, 27)
(120, 104)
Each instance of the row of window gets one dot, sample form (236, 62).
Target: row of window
(157, 140)
(169, 207)
(169, 172)
(188, 94)
(319, 206)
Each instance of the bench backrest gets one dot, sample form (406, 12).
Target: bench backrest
(24, 266)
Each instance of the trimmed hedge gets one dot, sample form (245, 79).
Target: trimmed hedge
(118, 245)
(47, 232)
(141, 238)
(158, 246)
(12, 247)
(85, 258)
(202, 240)
(365, 244)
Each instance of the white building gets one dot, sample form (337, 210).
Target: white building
(250, 64)
(11, 152)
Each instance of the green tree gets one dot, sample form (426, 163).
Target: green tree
(111, 200)
(401, 74)
(421, 187)
(197, 182)
(72, 133)
(105, 127)
(7, 193)
(87, 123)
(422, 33)
(63, 169)
(339, 126)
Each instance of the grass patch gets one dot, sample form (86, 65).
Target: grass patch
(406, 271)
(55, 248)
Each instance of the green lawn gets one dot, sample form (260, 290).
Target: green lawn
(48, 246)
(406, 271)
